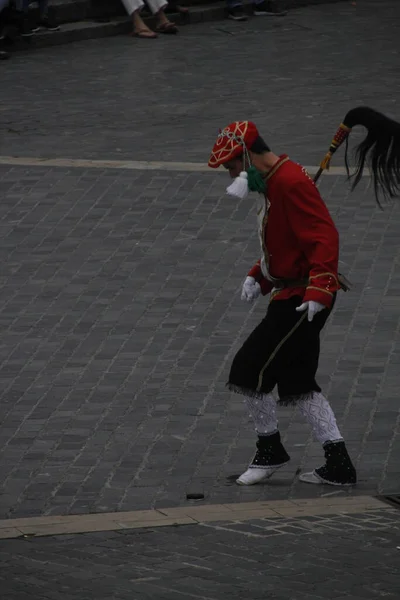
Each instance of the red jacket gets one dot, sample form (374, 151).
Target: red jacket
(299, 238)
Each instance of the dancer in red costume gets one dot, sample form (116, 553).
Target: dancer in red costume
(298, 267)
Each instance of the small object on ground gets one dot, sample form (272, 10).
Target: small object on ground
(194, 496)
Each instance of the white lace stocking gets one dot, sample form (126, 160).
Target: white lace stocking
(263, 413)
(319, 414)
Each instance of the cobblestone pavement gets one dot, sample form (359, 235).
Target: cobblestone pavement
(313, 558)
(120, 311)
(165, 100)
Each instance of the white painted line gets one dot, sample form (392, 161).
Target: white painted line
(134, 165)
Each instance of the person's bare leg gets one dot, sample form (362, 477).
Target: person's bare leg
(162, 17)
(158, 8)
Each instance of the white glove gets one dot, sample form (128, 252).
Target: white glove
(251, 289)
(312, 307)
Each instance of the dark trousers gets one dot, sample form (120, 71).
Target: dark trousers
(283, 351)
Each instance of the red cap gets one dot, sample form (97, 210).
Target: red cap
(230, 142)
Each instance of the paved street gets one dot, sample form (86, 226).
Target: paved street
(120, 309)
(123, 98)
(120, 313)
(316, 558)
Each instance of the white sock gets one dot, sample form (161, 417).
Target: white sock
(319, 414)
(263, 413)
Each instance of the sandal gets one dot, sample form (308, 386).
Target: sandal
(167, 28)
(145, 34)
(176, 8)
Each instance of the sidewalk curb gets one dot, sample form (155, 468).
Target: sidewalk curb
(188, 515)
(107, 27)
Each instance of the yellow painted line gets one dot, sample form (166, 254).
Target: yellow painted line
(187, 515)
(135, 165)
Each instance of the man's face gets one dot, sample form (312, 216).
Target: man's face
(234, 166)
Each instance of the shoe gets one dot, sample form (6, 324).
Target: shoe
(270, 456)
(26, 29)
(48, 24)
(337, 470)
(4, 55)
(262, 8)
(237, 14)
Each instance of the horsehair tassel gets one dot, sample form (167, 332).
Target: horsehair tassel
(380, 150)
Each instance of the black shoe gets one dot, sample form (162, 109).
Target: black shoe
(262, 8)
(237, 14)
(48, 24)
(4, 55)
(337, 470)
(26, 29)
(270, 456)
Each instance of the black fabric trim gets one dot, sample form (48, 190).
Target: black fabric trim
(294, 399)
(237, 389)
(283, 401)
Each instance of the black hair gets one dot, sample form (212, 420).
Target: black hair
(259, 146)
